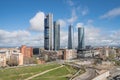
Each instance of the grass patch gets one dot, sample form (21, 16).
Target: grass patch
(63, 73)
(24, 72)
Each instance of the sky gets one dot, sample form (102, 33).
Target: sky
(22, 21)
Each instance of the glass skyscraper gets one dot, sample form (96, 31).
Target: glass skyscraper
(48, 25)
(81, 44)
(56, 35)
(70, 37)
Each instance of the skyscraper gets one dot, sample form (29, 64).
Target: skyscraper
(70, 37)
(48, 25)
(81, 44)
(56, 35)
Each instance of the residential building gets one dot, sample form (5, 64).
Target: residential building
(2, 59)
(18, 58)
(26, 51)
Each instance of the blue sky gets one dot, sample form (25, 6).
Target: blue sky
(18, 20)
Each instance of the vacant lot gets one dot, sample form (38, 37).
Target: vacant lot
(24, 72)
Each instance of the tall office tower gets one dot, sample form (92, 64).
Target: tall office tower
(70, 37)
(81, 44)
(48, 25)
(56, 35)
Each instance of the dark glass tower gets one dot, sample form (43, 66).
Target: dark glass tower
(48, 25)
(56, 35)
(70, 37)
(81, 44)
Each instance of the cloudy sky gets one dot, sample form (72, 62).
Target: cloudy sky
(22, 21)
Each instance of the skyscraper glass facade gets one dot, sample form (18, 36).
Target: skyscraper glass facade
(56, 35)
(48, 25)
(70, 37)
(81, 43)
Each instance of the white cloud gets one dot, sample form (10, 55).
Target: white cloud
(84, 11)
(79, 25)
(62, 22)
(96, 37)
(37, 22)
(20, 37)
(13, 38)
(90, 21)
(64, 38)
(112, 13)
(73, 17)
(36, 40)
(70, 2)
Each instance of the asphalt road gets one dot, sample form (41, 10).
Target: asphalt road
(88, 75)
(114, 72)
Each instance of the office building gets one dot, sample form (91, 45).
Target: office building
(48, 25)
(81, 44)
(56, 35)
(70, 37)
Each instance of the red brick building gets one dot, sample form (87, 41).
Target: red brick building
(26, 51)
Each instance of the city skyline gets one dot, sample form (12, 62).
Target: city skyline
(21, 24)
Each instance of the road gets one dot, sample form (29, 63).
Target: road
(114, 72)
(88, 75)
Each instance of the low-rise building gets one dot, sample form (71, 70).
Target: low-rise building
(69, 54)
(106, 52)
(2, 59)
(17, 58)
(85, 53)
(65, 54)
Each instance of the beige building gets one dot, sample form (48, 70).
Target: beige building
(17, 58)
(69, 54)
(2, 59)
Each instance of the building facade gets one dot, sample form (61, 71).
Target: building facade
(26, 51)
(17, 58)
(56, 35)
(2, 59)
(69, 54)
(70, 37)
(48, 25)
(81, 42)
